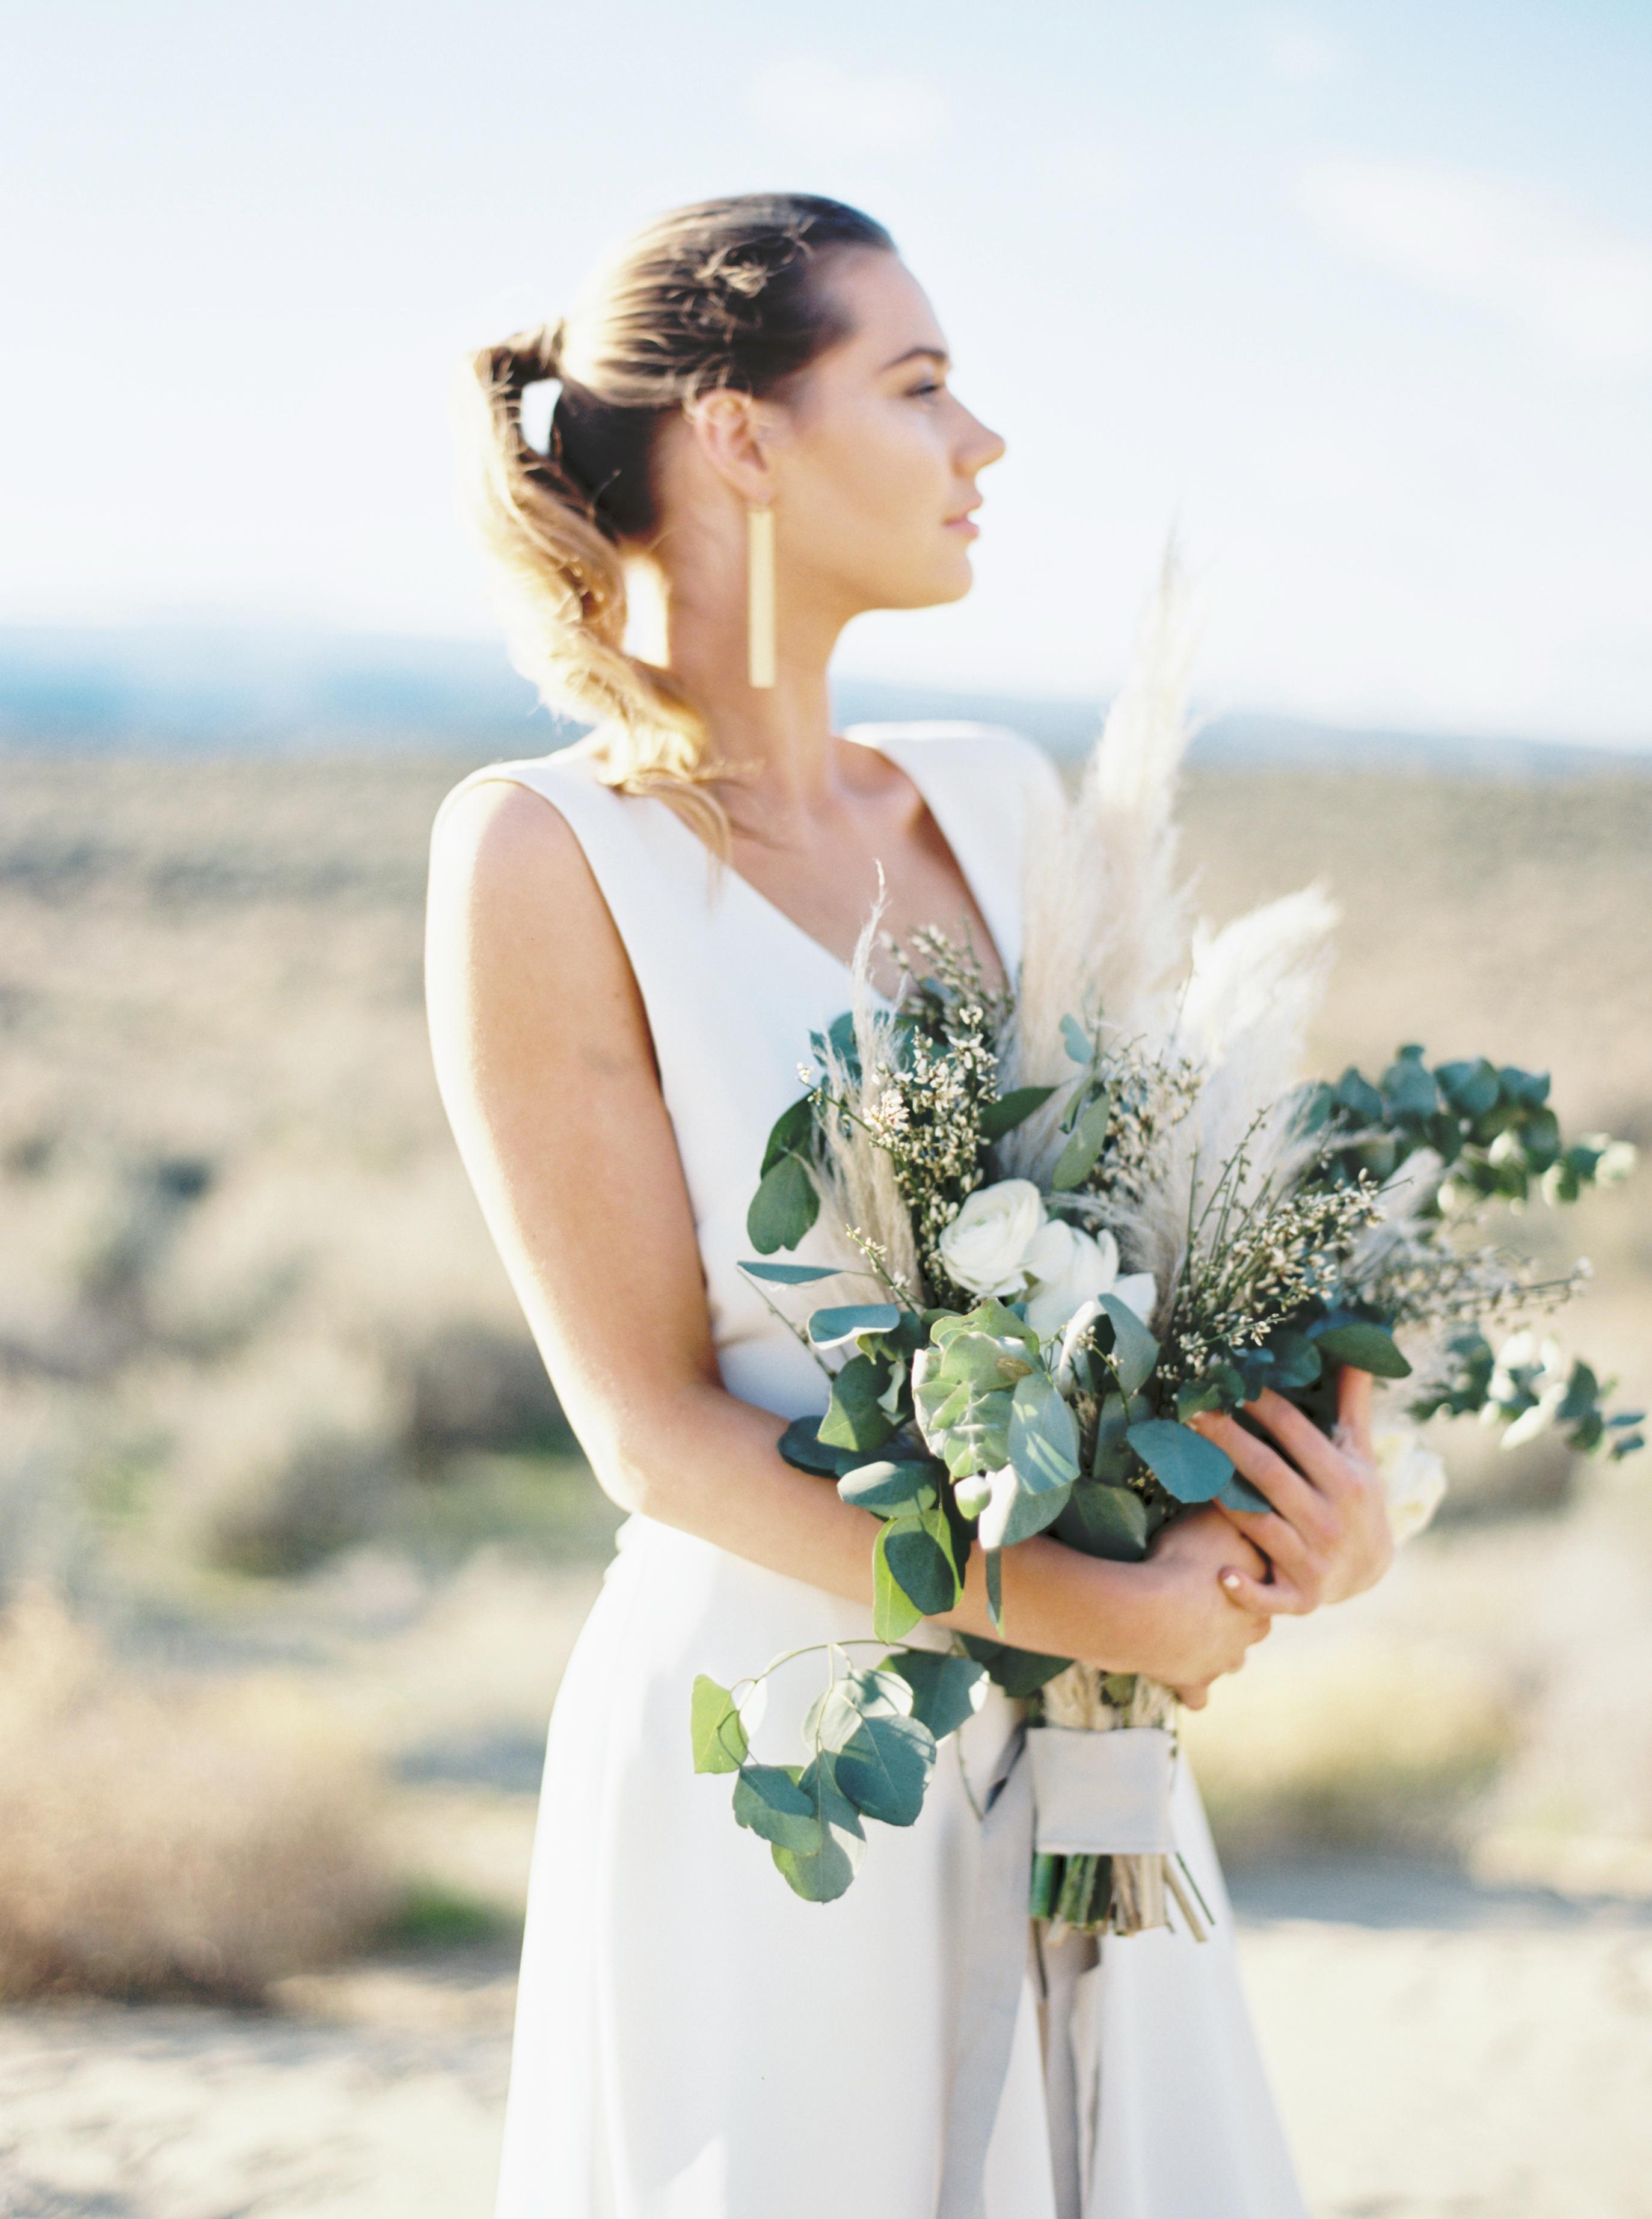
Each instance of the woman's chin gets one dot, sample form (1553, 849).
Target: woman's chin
(951, 583)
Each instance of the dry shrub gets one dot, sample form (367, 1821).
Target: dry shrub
(1382, 1744)
(180, 1839)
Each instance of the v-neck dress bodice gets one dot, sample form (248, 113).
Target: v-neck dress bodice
(682, 2017)
(732, 987)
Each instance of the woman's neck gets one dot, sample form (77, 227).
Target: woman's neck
(778, 739)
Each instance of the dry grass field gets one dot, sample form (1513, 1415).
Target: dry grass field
(293, 1540)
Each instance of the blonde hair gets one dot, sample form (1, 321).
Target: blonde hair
(724, 294)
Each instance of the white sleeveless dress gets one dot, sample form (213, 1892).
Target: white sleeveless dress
(693, 2042)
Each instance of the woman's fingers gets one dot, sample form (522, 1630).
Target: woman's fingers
(1291, 1494)
(1354, 1408)
(1269, 1599)
(1327, 1534)
(1297, 1564)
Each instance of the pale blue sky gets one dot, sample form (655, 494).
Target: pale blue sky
(1362, 295)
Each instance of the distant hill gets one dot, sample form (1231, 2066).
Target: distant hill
(178, 690)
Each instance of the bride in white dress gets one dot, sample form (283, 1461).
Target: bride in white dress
(629, 943)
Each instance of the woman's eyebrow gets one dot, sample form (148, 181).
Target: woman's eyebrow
(938, 355)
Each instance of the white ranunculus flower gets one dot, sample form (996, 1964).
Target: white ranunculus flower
(985, 1246)
(1070, 1268)
(1413, 1479)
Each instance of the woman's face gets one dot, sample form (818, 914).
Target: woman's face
(874, 458)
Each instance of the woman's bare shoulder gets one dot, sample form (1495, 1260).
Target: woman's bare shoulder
(516, 907)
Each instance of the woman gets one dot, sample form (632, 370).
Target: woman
(629, 943)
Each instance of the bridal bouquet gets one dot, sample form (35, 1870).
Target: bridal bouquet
(1085, 1211)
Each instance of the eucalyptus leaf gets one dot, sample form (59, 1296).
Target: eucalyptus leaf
(1114, 1459)
(993, 1559)
(1185, 1465)
(1080, 1047)
(984, 1360)
(967, 1427)
(856, 1419)
(791, 1134)
(830, 1325)
(1012, 1110)
(1366, 1347)
(791, 1275)
(1297, 1360)
(719, 1739)
(768, 1800)
(1135, 1350)
(835, 1716)
(821, 1874)
(946, 1690)
(803, 1448)
(1104, 1521)
(919, 1554)
(1077, 1160)
(991, 1316)
(885, 1767)
(1043, 1436)
(893, 1490)
(1237, 1492)
(783, 1207)
(893, 1612)
(1019, 1672)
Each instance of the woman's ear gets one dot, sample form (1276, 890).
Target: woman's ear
(734, 433)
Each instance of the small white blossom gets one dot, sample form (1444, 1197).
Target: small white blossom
(1413, 1479)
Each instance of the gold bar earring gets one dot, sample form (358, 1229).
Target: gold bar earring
(760, 596)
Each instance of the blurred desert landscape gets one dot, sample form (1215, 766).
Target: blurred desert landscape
(296, 1541)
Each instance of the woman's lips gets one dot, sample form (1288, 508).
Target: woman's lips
(965, 525)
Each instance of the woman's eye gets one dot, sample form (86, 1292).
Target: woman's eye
(918, 392)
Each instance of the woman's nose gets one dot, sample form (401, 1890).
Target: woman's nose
(979, 446)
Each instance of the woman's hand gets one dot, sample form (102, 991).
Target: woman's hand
(1196, 1630)
(1326, 1536)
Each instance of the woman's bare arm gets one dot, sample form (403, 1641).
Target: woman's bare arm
(546, 1068)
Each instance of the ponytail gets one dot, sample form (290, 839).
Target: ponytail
(562, 577)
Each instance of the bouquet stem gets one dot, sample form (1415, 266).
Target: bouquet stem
(1095, 1894)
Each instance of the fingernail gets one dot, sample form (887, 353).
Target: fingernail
(1230, 1579)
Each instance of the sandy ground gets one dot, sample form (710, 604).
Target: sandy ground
(1442, 2051)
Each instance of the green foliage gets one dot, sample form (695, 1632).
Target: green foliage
(1366, 1347)
(821, 1874)
(827, 1325)
(884, 1767)
(768, 1799)
(783, 1207)
(1186, 1465)
(893, 1490)
(803, 1448)
(1105, 1521)
(857, 1418)
(894, 1614)
(1133, 1353)
(718, 1736)
(1019, 1672)
(945, 1690)
(1088, 1138)
(1237, 1492)
(918, 1550)
(1012, 1110)
(1467, 1381)
(1492, 1127)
